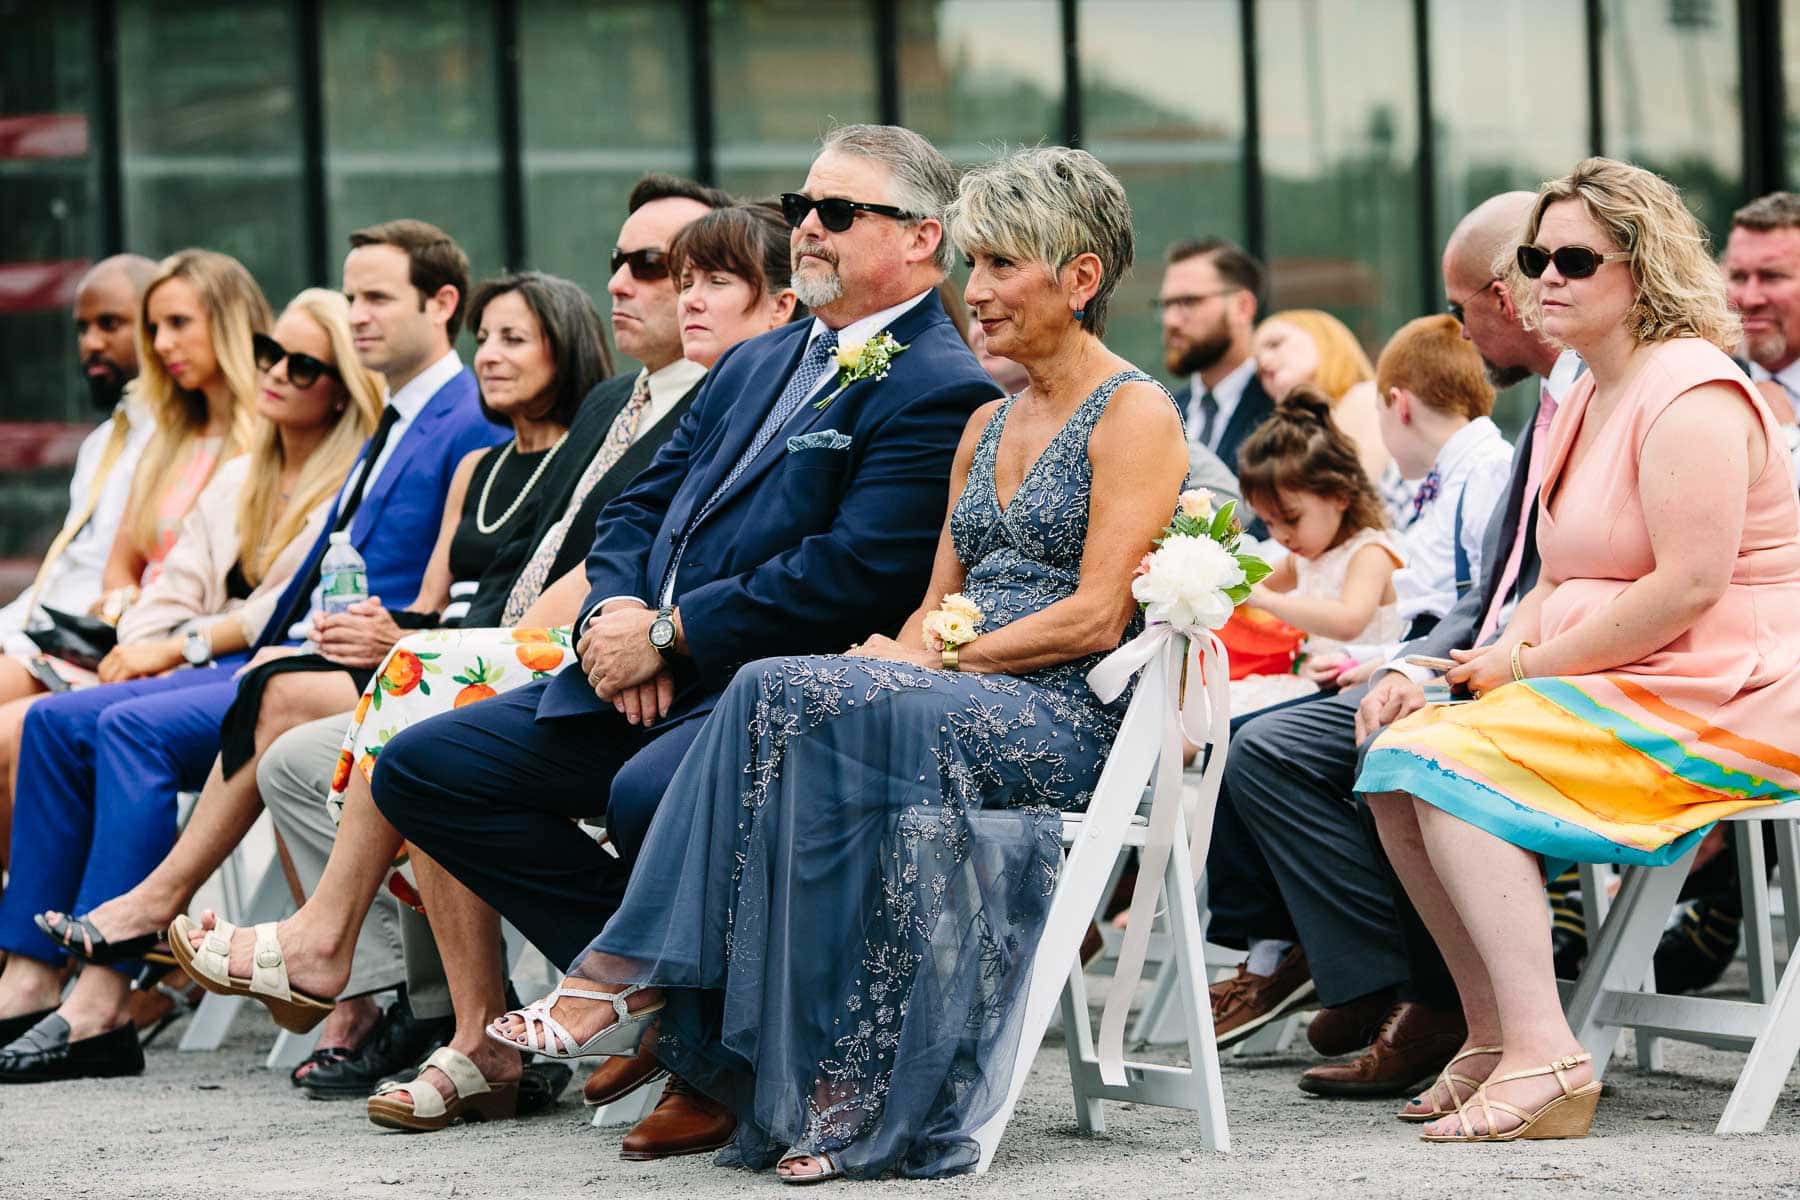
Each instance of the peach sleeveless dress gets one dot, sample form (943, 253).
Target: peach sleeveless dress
(1630, 765)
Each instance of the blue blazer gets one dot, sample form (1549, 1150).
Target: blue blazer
(397, 526)
(813, 548)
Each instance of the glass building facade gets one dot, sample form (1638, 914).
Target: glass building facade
(1338, 139)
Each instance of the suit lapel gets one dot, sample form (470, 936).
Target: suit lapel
(418, 435)
(747, 417)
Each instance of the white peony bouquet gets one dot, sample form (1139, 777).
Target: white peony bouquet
(1196, 576)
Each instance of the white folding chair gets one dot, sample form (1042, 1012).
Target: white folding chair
(1611, 994)
(1112, 824)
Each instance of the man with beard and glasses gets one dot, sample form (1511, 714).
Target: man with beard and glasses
(1209, 297)
(106, 308)
(1295, 872)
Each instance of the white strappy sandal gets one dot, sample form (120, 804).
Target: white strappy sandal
(423, 1110)
(210, 967)
(545, 1035)
(829, 1168)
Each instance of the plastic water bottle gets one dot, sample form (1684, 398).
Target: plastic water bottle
(343, 576)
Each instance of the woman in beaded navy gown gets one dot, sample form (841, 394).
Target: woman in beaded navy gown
(834, 912)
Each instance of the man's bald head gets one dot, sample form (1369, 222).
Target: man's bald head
(1479, 239)
(106, 312)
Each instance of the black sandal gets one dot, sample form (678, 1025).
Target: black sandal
(82, 940)
(322, 1057)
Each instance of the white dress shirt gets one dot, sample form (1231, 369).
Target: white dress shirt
(1228, 391)
(72, 583)
(668, 384)
(1789, 380)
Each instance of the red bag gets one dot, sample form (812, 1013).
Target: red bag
(1260, 643)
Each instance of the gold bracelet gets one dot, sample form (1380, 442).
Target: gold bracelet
(950, 659)
(1518, 667)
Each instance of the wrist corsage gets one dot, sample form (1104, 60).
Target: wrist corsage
(953, 624)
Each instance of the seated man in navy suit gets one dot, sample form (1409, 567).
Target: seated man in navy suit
(795, 510)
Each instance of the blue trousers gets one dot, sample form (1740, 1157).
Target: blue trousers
(94, 811)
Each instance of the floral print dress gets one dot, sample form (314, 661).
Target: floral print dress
(849, 873)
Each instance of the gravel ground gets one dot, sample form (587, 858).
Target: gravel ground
(218, 1125)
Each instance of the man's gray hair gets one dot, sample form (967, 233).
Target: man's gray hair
(1048, 206)
(924, 181)
(1777, 210)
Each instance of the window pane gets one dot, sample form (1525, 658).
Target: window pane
(978, 74)
(579, 171)
(211, 134)
(48, 236)
(1340, 119)
(1498, 129)
(1177, 147)
(1670, 78)
(783, 72)
(410, 126)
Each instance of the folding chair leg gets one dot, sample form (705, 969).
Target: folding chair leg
(1622, 951)
(211, 1022)
(1787, 854)
(1753, 878)
(1078, 1037)
(631, 1109)
(1185, 942)
(291, 1049)
(1771, 1058)
(1158, 1022)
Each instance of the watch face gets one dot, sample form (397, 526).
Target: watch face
(662, 633)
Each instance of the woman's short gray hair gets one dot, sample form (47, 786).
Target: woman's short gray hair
(1049, 206)
(924, 181)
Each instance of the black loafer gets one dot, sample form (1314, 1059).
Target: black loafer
(12, 1027)
(45, 1053)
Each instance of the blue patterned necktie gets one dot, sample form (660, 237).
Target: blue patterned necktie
(813, 364)
(1428, 491)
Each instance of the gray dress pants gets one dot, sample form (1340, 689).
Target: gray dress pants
(395, 944)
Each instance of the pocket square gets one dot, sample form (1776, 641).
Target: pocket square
(823, 439)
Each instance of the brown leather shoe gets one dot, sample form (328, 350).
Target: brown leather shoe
(617, 1077)
(1414, 1044)
(683, 1122)
(1245, 1003)
(1351, 1026)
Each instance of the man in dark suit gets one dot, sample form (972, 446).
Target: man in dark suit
(1293, 860)
(795, 510)
(1210, 292)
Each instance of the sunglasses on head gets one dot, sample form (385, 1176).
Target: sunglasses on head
(647, 265)
(303, 370)
(835, 214)
(1572, 262)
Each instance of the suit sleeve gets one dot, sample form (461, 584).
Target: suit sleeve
(861, 574)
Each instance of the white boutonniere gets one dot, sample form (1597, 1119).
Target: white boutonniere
(858, 361)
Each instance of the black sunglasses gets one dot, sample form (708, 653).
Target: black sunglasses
(836, 214)
(647, 265)
(1460, 308)
(1572, 262)
(303, 370)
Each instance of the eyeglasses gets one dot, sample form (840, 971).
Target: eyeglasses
(1164, 303)
(1459, 308)
(303, 370)
(836, 214)
(647, 265)
(1572, 262)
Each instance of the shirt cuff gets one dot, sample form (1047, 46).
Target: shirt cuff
(1419, 675)
(581, 625)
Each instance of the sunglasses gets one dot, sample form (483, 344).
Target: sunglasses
(647, 265)
(1460, 308)
(303, 370)
(1572, 262)
(836, 214)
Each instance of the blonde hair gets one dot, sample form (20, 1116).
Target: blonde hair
(1342, 362)
(1680, 288)
(265, 525)
(235, 309)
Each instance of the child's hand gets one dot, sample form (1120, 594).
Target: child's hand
(1325, 670)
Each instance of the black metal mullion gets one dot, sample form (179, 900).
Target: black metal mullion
(310, 96)
(105, 144)
(511, 120)
(1763, 97)
(887, 61)
(1426, 163)
(1596, 24)
(1256, 231)
(700, 91)
(1071, 49)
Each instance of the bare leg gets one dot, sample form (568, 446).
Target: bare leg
(319, 940)
(1396, 816)
(97, 1004)
(468, 937)
(27, 986)
(225, 813)
(1498, 890)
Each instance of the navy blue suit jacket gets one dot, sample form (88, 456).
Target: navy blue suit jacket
(397, 525)
(811, 550)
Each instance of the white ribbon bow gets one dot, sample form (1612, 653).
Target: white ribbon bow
(1202, 691)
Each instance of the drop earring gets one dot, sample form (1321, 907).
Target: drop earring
(1080, 313)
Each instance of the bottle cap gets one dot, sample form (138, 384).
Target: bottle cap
(340, 537)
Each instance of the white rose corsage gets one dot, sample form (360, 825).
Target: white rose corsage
(857, 361)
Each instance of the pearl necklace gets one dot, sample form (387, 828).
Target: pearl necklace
(481, 521)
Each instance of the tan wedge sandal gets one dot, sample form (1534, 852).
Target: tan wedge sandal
(423, 1110)
(1449, 1080)
(210, 967)
(1566, 1116)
